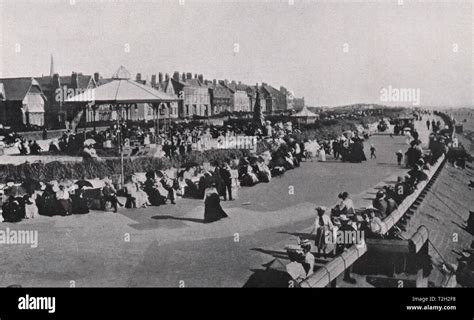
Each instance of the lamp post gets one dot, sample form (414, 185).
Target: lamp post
(119, 142)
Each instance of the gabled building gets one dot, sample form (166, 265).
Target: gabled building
(22, 102)
(275, 100)
(59, 88)
(221, 97)
(299, 103)
(240, 101)
(196, 99)
(290, 99)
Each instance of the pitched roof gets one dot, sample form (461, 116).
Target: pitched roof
(103, 81)
(122, 91)
(16, 88)
(253, 90)
(220, 91)
(305, 113)
(83, 81)
(271, 90)
(177, 85)
(193, 82)
(121, 73)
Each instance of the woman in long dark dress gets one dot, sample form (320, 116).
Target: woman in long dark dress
(47, 203)
(79, 202)
(154, 196)
(12, 210)
(212, 205)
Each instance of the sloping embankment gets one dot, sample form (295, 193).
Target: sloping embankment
(444, 212)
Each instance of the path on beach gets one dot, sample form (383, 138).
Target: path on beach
(170, 246)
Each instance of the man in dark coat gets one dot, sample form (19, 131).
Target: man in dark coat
(227, 179)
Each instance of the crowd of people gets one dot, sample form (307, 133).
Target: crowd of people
(286, 150)
(344, 216)
(32, 198)
(30, 147)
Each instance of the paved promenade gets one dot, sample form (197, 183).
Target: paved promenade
(170, 246)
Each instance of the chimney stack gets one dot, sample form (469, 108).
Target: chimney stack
(214, 82)
(167, 77)
(74, 80)
(189, 75)
(96, 77)
(160, 77)
(139, 77)
(184, 77)
(153, 80)
(176, 75)
(201, 78)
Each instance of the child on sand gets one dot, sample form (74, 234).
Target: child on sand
(372, 152)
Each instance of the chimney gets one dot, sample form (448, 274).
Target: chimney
(189, 75)
(153, 80)
(74, 80)
(184, 76)
(167, 77)
(139, 77)
(201, 78)
(195, 76)
(56, 81)
(96, 77)
(214, 82)
(226, 82)
(160, 77)
(222, 82)
(176, 75)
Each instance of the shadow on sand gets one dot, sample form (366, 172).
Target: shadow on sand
(178, 219)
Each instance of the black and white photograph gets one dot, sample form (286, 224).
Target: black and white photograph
(237, 144)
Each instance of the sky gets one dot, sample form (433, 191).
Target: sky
(332, 52)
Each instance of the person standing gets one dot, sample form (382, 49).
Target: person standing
(346, 228)
(64, 200)
(372, 152)
(322, 228)
(226, 176)
(212, 207)
(45, 134)
(399, 155)
(308, 263)
(322, 154)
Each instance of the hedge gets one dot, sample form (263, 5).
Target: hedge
(102, 168)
